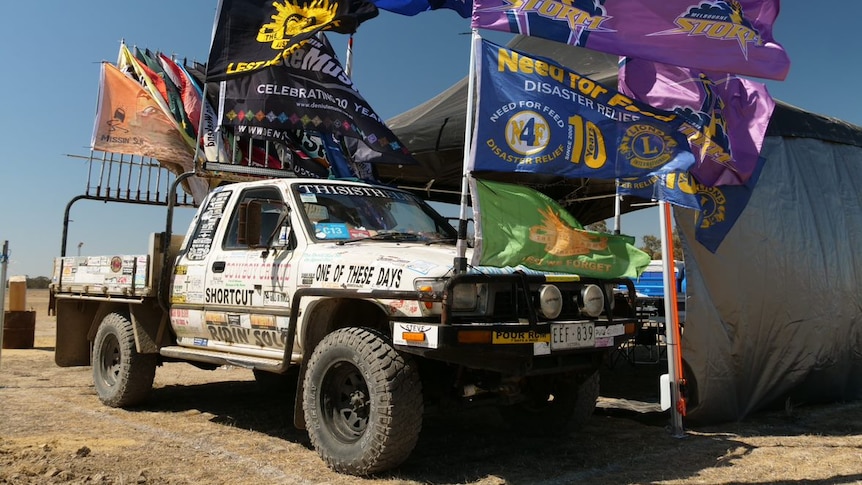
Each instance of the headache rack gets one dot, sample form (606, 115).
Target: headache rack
(131, 179)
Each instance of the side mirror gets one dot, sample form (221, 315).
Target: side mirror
(260, 222)
(249, 223)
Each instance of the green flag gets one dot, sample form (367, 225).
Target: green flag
(516, 225)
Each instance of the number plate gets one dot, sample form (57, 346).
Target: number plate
(572, 335)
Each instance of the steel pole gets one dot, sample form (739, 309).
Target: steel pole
(672, 333)
(4, 261)
(460, 262)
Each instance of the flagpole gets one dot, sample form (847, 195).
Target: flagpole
(672, 333)
(348, 63)
(199, 141)
(617, 208)
(460, 262)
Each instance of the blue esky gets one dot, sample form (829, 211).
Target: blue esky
(50, 53)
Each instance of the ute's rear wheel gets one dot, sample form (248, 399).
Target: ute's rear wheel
(554, 404)
(121, 375)
(362, 402)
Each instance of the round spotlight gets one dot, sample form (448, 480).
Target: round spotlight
(592, 300)
(550, 301)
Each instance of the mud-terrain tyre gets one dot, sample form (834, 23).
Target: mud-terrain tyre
(555, 404)
(121, 375)
(362, 401)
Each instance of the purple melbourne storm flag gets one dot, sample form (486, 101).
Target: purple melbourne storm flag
(720, 35)
(726, 115)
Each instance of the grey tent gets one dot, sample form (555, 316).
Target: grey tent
(776, 313)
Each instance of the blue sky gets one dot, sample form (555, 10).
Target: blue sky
(50, 53)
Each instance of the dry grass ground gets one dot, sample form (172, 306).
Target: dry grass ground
(217, 427)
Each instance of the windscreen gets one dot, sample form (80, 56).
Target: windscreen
(354, 212)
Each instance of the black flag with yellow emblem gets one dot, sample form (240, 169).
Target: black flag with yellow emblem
(308, 93)
(250, 35)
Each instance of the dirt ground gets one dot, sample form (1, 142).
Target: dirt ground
(216, 427)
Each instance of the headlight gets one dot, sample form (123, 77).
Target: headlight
(550, 301)
(470, 297)
(466, 297)
(592, 301)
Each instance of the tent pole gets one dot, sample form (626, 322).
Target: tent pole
(672, 333)
(460, 262)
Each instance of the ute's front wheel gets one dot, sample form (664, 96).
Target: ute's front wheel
(362, 402)
(121, 375)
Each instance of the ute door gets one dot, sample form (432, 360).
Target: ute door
(247, 301)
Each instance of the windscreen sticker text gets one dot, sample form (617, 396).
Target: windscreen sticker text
(349, 190)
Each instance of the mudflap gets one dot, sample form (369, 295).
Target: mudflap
(72, 347)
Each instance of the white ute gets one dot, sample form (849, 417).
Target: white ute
(350, 290)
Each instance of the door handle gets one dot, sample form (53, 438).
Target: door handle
(218, 267)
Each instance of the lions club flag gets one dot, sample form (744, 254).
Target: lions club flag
(726, 115)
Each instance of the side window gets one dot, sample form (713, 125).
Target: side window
(208, 221)
(260, 219)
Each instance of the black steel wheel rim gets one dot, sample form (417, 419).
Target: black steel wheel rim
(345, 402)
